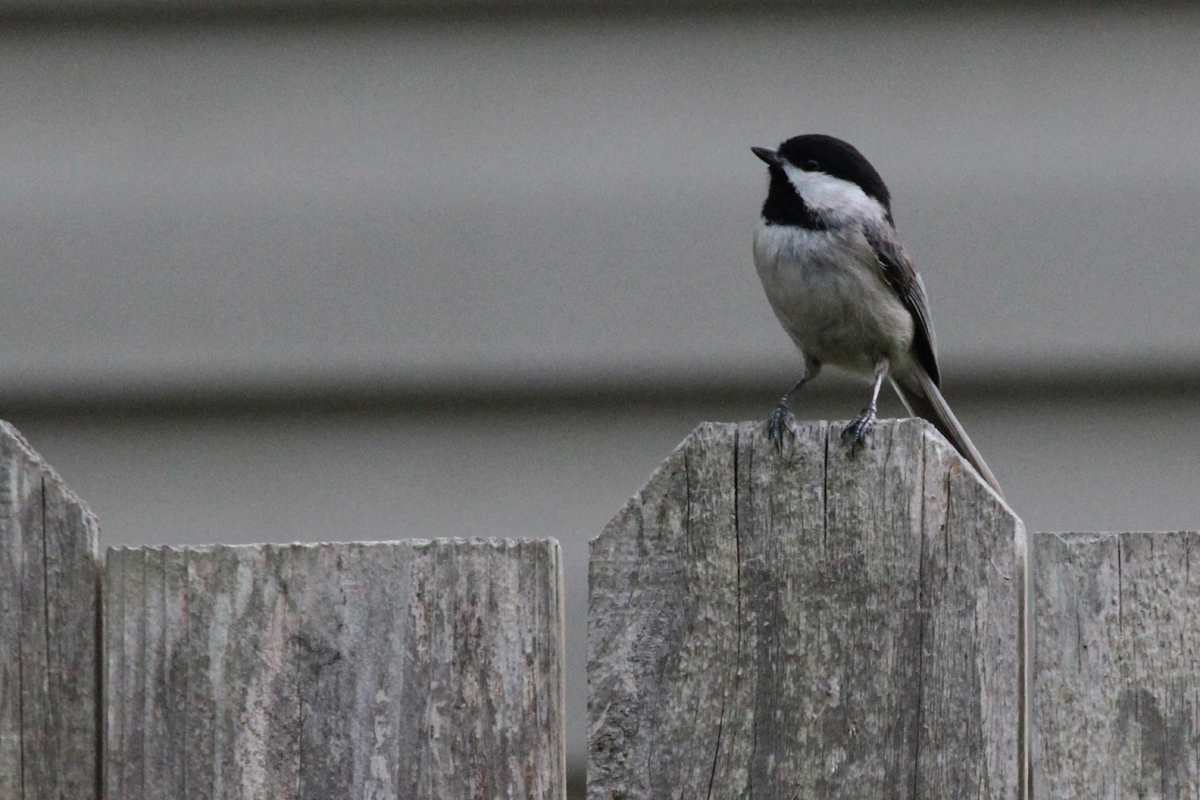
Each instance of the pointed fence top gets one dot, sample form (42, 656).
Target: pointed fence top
(901, 457)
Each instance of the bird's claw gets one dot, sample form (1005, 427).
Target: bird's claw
(857, 431)
(780, 423)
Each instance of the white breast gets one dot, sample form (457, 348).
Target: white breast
(827, 290)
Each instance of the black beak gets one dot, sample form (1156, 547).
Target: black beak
(768, 155)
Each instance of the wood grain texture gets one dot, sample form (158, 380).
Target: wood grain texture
(49, 568)
(1116, 696)
(420, 669)
(808, 625)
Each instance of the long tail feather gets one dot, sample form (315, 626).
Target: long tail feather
(923, 399)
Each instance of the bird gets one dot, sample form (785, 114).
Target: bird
(844, 289)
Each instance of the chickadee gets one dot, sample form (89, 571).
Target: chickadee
(831, 263)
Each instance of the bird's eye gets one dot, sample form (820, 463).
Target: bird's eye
(811, 165)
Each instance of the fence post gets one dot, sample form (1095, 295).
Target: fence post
(811, 625)
(49, 735)
(415, 669)
(1116, 700)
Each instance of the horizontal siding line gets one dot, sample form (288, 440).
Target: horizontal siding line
(472, 393)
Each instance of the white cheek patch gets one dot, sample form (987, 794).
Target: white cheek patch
(833, 197)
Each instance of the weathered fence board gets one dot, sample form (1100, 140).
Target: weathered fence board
(48, 614)
(1116, 697)
(808, 625)
(386, 670)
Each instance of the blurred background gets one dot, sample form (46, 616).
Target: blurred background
(279, 271)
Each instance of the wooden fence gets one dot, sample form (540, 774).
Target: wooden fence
(762, 625)
(814, 626)
(383, 671)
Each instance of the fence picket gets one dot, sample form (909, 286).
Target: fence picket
(811, 624)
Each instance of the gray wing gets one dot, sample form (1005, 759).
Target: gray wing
(902, 276)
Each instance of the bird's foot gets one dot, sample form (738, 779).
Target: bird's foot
(780, 423)
(857, 431)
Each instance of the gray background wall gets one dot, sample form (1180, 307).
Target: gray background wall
(366, 275)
